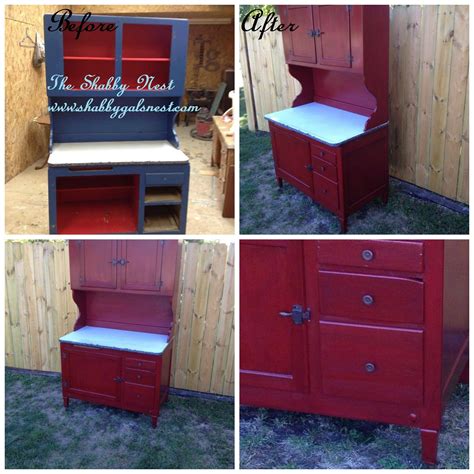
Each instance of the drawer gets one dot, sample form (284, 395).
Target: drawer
(324, 168)
(133, 363)
(140, 376)
(323, 154)
(372, 363)
(377, 298)
(325, 192)
(138, 397)
(374, 254)
(164, 179)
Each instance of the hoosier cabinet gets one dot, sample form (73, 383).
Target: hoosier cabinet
(333, 143)
(114, 90)
(367, 329)
(119, 353)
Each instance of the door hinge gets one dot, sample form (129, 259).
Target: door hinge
(298, 315)
(160, 285)
(349, 8)
(350, 58)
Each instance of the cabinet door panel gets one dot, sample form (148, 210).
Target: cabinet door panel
(97, 268)
(273, 352)
(334, 43)
(293, 158)
(142, 270)
(299, 44)
(92, 374)
(169, 267)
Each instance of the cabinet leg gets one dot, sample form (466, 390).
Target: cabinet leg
(66, 402)
(280, 182)
(343, 224)
(429, 446)
(154, 421)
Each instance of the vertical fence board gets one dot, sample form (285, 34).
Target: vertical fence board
(39, 309)
(429, 115)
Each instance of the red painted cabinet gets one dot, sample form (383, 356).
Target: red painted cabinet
(131, 265)
(119, 353)
(333, 143)
(368, 329)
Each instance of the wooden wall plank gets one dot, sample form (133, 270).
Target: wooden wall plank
(429, 115)
(39, 310)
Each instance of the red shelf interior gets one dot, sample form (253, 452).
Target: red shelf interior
(77, 70)
(146, 41)
(132, 70)
(97, 204)
(92, 53)
(146, 50)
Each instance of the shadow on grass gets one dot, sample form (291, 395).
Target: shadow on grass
(40, 434)
(267, 209)
(272, 439)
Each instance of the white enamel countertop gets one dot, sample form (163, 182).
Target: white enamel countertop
(321, 122)
(118, 153)
(118, 339)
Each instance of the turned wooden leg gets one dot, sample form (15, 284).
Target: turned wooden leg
(343, 223)
(66, 401)
(280, 182)
(429, 446)
(465, 374)
(154, 421)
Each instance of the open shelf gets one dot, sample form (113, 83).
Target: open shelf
(161, 219)
(159, 60)
(146, 41)
(97, 204)
(132, 70)
(88, 58)
(162, 196)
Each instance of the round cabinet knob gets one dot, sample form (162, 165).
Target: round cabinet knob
(367, 255)
(368, 300)
(413, 417)
(369, 367)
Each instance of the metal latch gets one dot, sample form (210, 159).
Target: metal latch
(297, 314)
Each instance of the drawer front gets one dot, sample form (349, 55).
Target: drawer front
(164, 179)
(373, 254)
(140, 376)
(138, 397)
(323, 154)
(377, 298)
(325, 192)
(324, 168)
(372, 363)
(142, 364)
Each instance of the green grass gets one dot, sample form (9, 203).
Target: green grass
(267, 209)
(272, 439)
(192, 433)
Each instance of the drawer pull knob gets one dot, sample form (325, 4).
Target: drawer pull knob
(139, 377)
(369, 367)
(367, 255)
(118, 379)
(323, 168)
(368, 300)
(321, 153)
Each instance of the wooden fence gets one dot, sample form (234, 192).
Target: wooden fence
(429, 99)
(40, 309)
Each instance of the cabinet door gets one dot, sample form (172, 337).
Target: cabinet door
(91, 374)
(169, 267)
(333, 43)
(273, 349)
(292, 157)
(93, 264)
(299, 44)
(141, 265)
